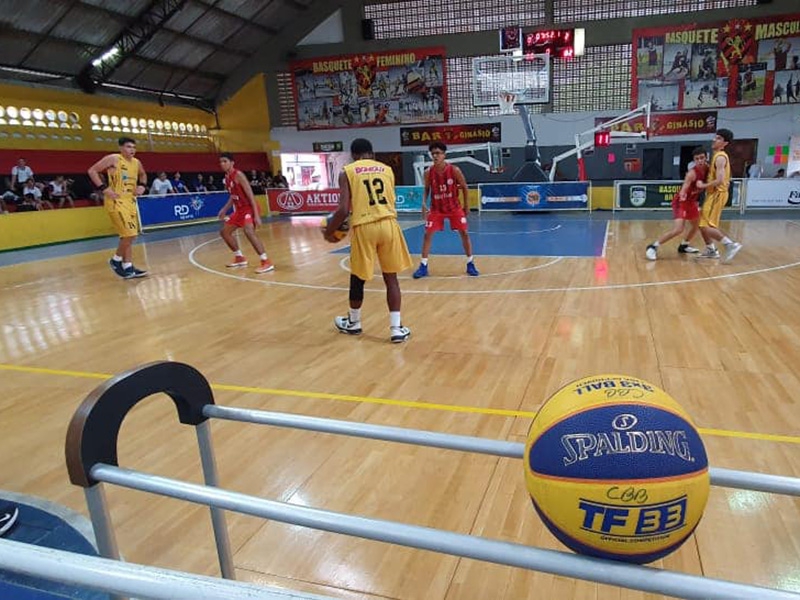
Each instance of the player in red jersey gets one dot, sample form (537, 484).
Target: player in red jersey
(685, 207)
(245, 215)
(443, 182)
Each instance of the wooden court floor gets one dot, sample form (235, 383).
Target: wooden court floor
(484, 354)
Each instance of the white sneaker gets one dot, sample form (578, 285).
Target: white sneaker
(687, 249)
(400, 334)
(731, 250)
(709, 253)
(651, 253)
(345, 325)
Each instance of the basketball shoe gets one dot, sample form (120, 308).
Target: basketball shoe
(266, 267)
(684, 248)
(399, 334)
(651, 253)
(471, 270)
(731, 250)
(345, 325)
(133, 273)
(238, 261)
(116, 266)
(709, 253)
(422, 271)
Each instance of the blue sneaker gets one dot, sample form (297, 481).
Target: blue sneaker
(421, 272)
(133, 273)
(116, 266)
(8, 516)
(471, 270)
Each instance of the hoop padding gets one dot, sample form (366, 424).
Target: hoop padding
(94, 429)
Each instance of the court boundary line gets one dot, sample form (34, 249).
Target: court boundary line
(456, 408)
(597, 288)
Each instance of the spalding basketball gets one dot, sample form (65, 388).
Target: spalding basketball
(340, 233)
(616, 469)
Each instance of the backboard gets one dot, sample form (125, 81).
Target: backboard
(526, 76)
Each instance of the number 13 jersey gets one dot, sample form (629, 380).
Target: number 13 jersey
(372, 195)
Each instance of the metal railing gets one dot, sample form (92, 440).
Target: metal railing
(92, 461)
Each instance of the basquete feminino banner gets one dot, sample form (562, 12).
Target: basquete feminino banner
(371, 89)
(535, 196)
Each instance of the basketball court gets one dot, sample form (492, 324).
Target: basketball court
(485, 353)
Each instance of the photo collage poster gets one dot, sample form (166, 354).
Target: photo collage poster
(740, 62)
(371, 89)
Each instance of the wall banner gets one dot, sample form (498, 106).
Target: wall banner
(739, 62)
(451, 134)
(368, 90)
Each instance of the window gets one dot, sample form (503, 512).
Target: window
(598, 80)
(421, 17)
(575, 11)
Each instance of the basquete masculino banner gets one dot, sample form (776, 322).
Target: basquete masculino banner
(659, 194)
(739, 62)
(368, 90)
(409, 199)
(534, 196)
(180, 208)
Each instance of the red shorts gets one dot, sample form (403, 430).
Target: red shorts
(240, 218)
(687, 210)
(435, 221)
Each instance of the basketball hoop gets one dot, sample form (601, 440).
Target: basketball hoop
(507, 101)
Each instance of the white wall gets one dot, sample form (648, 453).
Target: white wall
(771, 125)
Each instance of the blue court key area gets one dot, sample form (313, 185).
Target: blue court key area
(35, 526)
(515, 235)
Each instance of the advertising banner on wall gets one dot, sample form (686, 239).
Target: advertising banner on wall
(793, 164)
(175, 209)
(666, 124)
(477, 133)
(535, 196)
(659, 194)
(368, 90)
(409, 199)
(773, 193)
(733, 63)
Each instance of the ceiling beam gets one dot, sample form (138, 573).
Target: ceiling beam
(129, 41)
(45, 34)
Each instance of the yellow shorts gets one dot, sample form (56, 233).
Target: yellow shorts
(383, 239)
(712, 209)
(123, 215)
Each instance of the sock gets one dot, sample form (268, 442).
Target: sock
(655, 244)
(727, 241)
(394, 319)
(685, 243)
(423, 261)
(117, 258)
(127, 265)
(355, 315)
(238, 253)
(469, 259)
(263, 256)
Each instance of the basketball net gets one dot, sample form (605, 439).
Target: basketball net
(507, 101)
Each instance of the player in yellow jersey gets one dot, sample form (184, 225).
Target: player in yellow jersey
(717, 190)
(126, 180)
(367, 194)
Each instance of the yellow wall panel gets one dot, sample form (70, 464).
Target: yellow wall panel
(21, 230)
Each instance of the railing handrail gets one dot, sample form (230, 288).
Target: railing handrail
(637, 577)
(137, 581)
